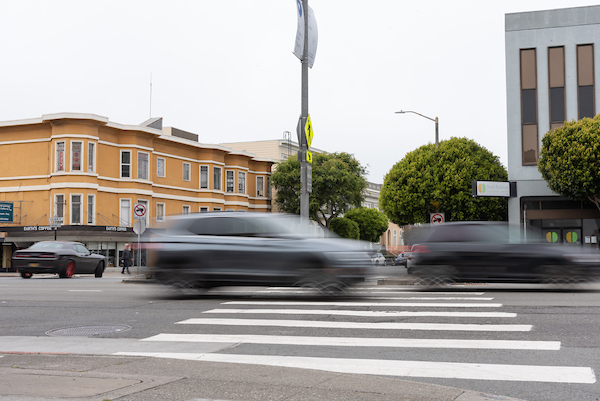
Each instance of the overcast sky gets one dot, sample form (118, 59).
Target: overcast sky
(224, 69)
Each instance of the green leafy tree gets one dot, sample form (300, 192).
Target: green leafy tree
(570, 160)
(430, 180)
(371, 222)
(345, 228)
(338, 182)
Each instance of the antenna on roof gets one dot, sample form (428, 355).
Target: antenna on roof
(150, 116)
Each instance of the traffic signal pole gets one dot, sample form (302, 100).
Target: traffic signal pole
(304, 195)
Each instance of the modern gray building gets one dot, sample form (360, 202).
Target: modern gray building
(550, 78)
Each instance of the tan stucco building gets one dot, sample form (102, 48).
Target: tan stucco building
(91, 172)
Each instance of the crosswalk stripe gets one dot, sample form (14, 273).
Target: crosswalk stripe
(359, 325)
(358, 342)
(382, 304)
(360, 313)
(423, 369)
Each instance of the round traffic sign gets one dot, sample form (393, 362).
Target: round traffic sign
(437, 218)
(139, 210)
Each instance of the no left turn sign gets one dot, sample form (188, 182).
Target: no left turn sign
(139, 211)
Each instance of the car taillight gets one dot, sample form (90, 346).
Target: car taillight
(419, 249)
(46, 255)
(21, 255)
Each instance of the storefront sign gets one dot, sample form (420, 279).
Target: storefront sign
(6, 212)
(118, 229)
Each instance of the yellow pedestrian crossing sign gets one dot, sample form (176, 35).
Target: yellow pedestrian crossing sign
(308, 131)
(309, 156)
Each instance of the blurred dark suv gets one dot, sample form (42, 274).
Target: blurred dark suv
(487, 252)
(207, 250)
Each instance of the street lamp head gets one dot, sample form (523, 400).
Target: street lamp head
(400, 112)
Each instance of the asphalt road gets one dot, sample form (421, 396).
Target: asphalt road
(520, 341)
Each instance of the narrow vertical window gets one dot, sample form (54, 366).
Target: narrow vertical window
(160, 212)
(260, 186)
(75, 209)
(125, 164)
(268, 187)
(186, 209)
(90, 209)
(59, 205)
(529, 123)
(229, 181)
(76, 156)
(241, 182)
(161, 165)
(125, 213)
(186, 172)
(203, 176)
(91, 157)
(142, 166)
(145, 203)
(556, 81)
(217, 180)
(60, 156)
(585, 81)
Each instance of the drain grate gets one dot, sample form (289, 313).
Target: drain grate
(87, 331)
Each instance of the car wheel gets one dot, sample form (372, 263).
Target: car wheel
(26, 274)
(69, 270)
(99, 270)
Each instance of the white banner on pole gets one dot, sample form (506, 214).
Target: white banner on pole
(313, 35)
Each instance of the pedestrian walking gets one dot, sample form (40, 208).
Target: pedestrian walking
(126, 257)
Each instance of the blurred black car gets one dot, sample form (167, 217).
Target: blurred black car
(400, 260)
(487, 252)
(62, 258)
(207, 250)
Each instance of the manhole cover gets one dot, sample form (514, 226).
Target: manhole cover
(87, 331)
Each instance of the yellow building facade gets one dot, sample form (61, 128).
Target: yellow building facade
(90, 172)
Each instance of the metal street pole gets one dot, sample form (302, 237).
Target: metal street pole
(436, 120)
(304, 200)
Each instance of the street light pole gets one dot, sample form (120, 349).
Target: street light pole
(304, 196)
(435, 120)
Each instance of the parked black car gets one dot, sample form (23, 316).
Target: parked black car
(58, 257)
(207, 250)
(486, 252)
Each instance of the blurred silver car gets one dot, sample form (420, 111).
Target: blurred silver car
(207, 250)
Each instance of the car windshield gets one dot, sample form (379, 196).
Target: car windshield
(48, 245)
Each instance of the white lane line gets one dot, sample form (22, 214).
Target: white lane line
(360, 313)
(359, 342)
(440, 298)
(382, 304)
(446, 370)
(358, 325)
(393, 290)
(85, 290)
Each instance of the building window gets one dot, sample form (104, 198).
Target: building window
(60, 156)
(556, 81)
(203, 176)
(76, 156)
(203, 209)
(125, 213)
(90, 209)
(585, 81)
(59, 205)
(75, 209)
(229, 181)
(268, 187)
(186, 209)
(91, 157)
(241, 182)
(395, 238)
(161, 167)
(145, 203)
(125, 164)
(217, 180)
(142, 166)
(216, 209)
(160, 212)
(529, 124)
(260, 186)
(186, 171)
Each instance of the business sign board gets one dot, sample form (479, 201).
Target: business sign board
(6, 212)
(503, 189)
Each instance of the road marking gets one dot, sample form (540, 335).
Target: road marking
(382, 304)
(359, 342)
(85, 290)
(360, 313)
(358, 325)
(446, 370)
